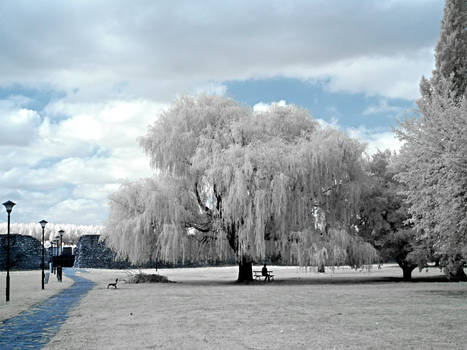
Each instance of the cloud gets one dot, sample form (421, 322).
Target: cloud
(333, 124)
(78, 159)
(109, 124)
(155, 50)
(211, 89)
(116, 66)
(87, 210)
(383, 107)
(18, 126)
(375, 139)
(394, 76)
(264, 107)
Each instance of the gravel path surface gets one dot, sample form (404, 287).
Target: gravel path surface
(34, 327)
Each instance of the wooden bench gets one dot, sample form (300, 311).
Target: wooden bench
(258, 274)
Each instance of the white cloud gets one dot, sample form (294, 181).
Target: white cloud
(155, 50)
(383, 107)
(264, 107)
(375, 139)
(109, 125)
(94, 191)
(81, 158)
(333, 124)
(118, 65)
(390, 76)
(211, 89)
(18, 126)
(69, 210)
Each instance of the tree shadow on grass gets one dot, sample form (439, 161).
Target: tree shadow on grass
(460, 294)
(326, 280)
(361, 280)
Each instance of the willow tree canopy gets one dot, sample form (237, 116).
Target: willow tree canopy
(269, 185)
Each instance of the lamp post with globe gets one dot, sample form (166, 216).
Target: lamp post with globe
(9, 207)
(43, 223)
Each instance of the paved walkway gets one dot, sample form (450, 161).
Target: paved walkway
(36, 326)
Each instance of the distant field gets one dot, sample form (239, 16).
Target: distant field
(206, 309)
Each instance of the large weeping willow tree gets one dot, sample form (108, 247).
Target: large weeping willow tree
(260, 186)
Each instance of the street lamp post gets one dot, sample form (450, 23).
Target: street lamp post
(56, 240)
(9, 207)
(56, 262)
(60, 258)
(61, 232)
(52, 243)
(43, 223)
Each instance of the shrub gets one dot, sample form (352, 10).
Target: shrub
(147, 278)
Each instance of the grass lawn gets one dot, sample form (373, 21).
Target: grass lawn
(300, 310)
(26, 290)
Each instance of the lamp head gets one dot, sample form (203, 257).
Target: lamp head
(9, 206)
(61, 232)
(43, 223)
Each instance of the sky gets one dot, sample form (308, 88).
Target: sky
(80, 81)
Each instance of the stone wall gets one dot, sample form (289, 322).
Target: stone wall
(90, 252)
(25, 252)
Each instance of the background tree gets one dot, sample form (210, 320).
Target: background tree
(71, 235)
(434, 168)
(265, 186)
(450, 54)
(434, 156)
(384, 217)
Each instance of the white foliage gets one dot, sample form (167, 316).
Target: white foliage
(434, 168)
(71, 235)
(261, 185)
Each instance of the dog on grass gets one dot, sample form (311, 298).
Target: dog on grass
(113, 284)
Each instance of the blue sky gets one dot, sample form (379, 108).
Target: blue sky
(80, 81)
(346, 109)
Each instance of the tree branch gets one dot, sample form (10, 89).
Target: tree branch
(218, 200)
(200, 202)
(199, 227)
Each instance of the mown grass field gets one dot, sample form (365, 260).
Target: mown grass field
(206, 309)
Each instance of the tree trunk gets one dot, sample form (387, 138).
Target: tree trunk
(245, 271)
(407, 269)
(407, 272)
